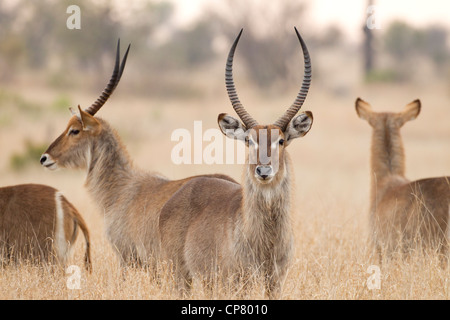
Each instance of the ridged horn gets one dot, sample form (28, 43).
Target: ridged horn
(283, 121)
(232, 94)
(113, 82)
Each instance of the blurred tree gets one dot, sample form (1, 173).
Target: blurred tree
(264, 45)
(37, 29)
(368, 44)
(401, 41)
(434, 45)
(407, 45)
(142, 21)
(96, 38)
(332, 37)
(12, 46)
(37, 37)
(187, 48)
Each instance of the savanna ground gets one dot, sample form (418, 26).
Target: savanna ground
(331, 165)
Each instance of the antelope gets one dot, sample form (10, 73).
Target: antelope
(404, 214)
(38, 224)
(214, 223)
(129, 198)
(199, 222)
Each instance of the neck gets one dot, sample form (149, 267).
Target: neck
(109, 168)
(265, 223)
(387, 157)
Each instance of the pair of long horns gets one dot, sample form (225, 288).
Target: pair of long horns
(248, 120)
(113, 82)
(283, 121)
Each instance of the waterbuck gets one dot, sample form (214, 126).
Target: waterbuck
(201, 222)
(213, 224)
(38, 224)
(129, 199)
(404, 214)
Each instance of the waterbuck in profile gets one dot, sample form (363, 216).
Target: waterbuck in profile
(38, 224)
(129, 198)
(404, 214)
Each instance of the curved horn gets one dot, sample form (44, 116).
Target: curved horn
(232, 94)
(283, 121)
(113, 82)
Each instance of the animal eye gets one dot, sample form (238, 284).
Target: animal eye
(281, 142)
(74, 132)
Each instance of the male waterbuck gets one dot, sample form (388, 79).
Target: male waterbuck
(213, 224)
(404, 214)
(38, 224)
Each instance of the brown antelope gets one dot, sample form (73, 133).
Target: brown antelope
(201, 222)
(403, 213)
(212, 223)
(129, 198)
(38, 224)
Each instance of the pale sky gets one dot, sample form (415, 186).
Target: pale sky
(347, 14)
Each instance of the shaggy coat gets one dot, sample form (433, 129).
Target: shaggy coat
(199, 223)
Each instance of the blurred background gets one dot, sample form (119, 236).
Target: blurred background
(175, 75)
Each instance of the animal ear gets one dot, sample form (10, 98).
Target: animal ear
(298, 126)
(89, 122)
(363, 109)
(411, 111)
(232, 127)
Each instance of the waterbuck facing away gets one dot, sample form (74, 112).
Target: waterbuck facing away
(201, 223)
(404, 214)
(38, 224)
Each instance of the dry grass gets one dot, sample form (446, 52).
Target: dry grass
(330, 217)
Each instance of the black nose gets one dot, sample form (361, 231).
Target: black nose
(263, 171)
(43, 158)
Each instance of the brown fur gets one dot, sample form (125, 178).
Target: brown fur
(199, 223)
(404, 214)
(129, 199)
(212, 224)
(28, 225)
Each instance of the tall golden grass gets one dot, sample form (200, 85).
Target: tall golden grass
(330, 213)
